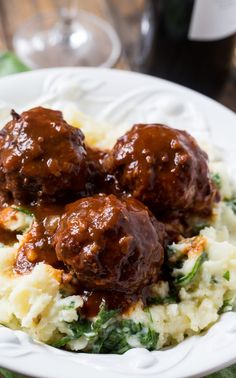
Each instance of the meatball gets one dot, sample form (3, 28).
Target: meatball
(41, 158)
(101, 182)
(111, 244)
(164, 168)
(95, 166)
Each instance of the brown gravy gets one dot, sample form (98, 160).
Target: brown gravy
(38, 244)
(38, 248)
(7, 237)
(43, 159)
(113, 300)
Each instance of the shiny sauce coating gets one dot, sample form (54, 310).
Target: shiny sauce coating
(109, 246)
(163, 168)
(110, 243)
(37, 245)
(7, 237)
(42, 158)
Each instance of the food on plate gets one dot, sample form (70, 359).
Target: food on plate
(95, 165)
(41, 158)
(103, 250)
(110, 243)
(37, 244)
(164, 168)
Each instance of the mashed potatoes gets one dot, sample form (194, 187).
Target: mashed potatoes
(202, 285)
(32, 302)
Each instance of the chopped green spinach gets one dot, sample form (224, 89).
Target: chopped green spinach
(198, 227)
(62, 342)
(231, 203)
(160, 301)
(188, 278)
(149, 338)
(104, 317)
(217, 180)
(227, 306)
(70, 306)
(109, 334)
(214, 280)
(226, 275)
(23, 210)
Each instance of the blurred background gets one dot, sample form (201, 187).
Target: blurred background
(191, 42)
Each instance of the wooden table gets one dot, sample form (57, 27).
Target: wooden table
(123, 14)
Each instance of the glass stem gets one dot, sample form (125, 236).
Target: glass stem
(67, 13)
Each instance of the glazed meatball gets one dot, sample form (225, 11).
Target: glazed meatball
(101, 182)
(111, 244)
(164, 168)
(96, 170)
(41, 158)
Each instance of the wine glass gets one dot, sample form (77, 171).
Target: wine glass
(69, 37)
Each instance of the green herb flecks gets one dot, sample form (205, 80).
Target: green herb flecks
(104, 317)
(160, 301)
(228, 305)
(188, 278)
(175, 255)
(216, 180)
(214, 280)
(232, 203)
(78, 328)
(109, 334)
(149, 338)
(198, 227)
(113, 339)
(23, 210)
(70, 306)
(62, 342)
(226, 275)
(171, 250)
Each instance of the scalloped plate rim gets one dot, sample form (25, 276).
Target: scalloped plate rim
(216, 113)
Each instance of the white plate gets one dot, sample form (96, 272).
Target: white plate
(123, 98)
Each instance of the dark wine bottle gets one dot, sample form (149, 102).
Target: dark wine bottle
(190, 42)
